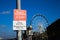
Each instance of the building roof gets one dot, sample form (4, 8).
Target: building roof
(54, 24)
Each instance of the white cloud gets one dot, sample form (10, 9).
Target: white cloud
(5, 12)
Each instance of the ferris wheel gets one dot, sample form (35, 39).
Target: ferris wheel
(39, 23)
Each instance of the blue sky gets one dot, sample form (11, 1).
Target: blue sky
(49, 8)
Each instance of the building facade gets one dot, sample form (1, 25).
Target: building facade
(53, 30)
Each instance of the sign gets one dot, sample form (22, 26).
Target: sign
(19, 22)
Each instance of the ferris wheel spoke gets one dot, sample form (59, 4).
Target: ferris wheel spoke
(39, 23)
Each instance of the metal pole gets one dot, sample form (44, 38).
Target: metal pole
(18, 6)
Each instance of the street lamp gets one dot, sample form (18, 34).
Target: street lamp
(30, 33)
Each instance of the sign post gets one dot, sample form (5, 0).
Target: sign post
(19, 22)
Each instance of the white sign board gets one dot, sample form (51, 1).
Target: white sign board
(19, 22)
